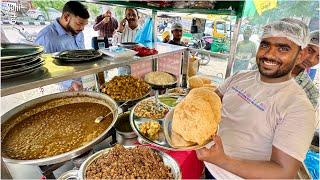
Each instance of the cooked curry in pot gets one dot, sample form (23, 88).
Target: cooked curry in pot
(55, 131)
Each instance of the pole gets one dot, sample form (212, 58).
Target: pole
(233, 47)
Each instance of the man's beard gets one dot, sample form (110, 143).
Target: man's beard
(281, 71)
(70, 29)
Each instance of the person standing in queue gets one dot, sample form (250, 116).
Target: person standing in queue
(309, 59)
(128, 27)
(65, 33)
(106, 24)
(267, 120)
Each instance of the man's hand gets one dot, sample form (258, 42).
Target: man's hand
(215, 154)
(122, 25)
(106, 19)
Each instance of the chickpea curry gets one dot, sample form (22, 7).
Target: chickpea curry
(55, 131)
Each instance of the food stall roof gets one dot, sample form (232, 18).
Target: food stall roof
(220, 7)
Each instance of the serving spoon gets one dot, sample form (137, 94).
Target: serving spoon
(100, 118)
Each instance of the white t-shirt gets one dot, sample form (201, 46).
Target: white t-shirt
(258, 115)
(128, 35)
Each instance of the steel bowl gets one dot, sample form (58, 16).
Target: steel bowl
(164, 86)
(81, 173)
(130, 134)
(75, 97)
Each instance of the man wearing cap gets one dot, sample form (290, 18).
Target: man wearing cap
(309, 59)
(267, 120)
(176, 31)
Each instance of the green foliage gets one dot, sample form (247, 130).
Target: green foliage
(300, 9)
(94, 9)
(45, 4)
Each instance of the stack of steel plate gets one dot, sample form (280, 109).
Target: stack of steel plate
(20, 59)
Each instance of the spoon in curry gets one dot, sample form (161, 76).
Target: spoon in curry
(100, 118)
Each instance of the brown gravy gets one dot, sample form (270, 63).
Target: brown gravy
(55, 131)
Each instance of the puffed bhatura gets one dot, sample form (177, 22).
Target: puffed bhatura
(196, 118)
(129, 163)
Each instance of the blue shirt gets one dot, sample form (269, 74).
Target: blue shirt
(55, 39)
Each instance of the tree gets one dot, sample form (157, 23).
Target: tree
(44, 5)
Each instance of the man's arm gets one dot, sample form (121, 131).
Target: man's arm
(99, 23)
(281, 165)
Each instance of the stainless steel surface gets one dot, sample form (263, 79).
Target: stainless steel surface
(72, 174)
(57, 72)
(128, 135)
(168, 160)
(233, 47)
(90, 96)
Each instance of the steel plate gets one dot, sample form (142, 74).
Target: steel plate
(78, 55)
(32, 66)
(14, 51)
(19, 63)
(164, 140)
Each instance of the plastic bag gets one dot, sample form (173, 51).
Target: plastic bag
(312, 163)
(145, 34)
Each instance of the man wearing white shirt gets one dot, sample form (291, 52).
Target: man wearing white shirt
(128, 27)
(267, 120)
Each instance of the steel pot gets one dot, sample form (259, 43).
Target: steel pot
(81, 173)
(78, 97)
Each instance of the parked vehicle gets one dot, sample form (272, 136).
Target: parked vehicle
(39, 14)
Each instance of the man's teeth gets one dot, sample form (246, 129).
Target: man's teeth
(270, 63)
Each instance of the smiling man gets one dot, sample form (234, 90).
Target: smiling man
(309, 58)
(267, 120)
(65, 33)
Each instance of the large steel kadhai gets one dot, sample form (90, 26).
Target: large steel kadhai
(78, 97)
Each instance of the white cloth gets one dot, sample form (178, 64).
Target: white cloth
(128, 35)
(258, 115)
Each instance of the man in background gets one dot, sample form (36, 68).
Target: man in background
(176, 31)
(309, 59)
(128, 27)
(106, 24)
(246, 50)
(65, 33)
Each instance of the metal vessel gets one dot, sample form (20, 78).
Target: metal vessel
(78, 97)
